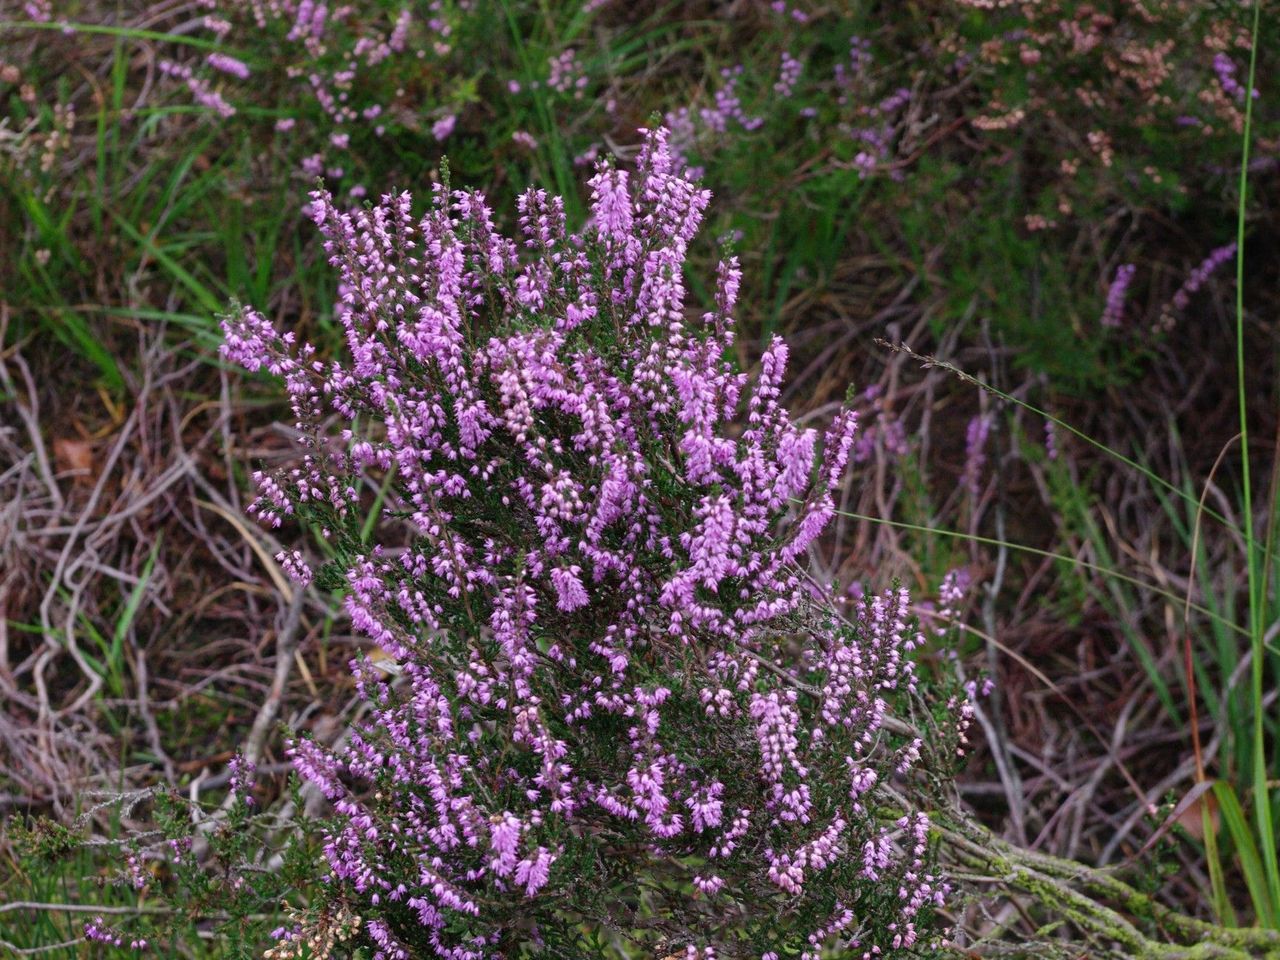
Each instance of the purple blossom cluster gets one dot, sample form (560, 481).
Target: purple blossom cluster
(97, 930)
(788, 74)
(975, 452)
(135, 872)
(782, 8)
(727, 108)
(877, 136)
(565, 74)
(333, 58)
(870, 125)
(1225, 69)
(609, 667)
(849, 76)
(243, 773)
(1113, 312)
(1200, 275)
(199, 88)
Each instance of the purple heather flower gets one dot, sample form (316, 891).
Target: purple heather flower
(975, 451)
(1225, 68)
(565, 74)
(229, 65)
(1116, 293)
(444, 126)
(97, 931)
(1203, 271)
(242, 778)
(788, 75)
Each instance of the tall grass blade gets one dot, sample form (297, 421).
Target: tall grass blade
(1261, 787)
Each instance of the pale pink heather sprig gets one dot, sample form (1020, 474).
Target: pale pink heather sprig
(444, 126)
(228, 65)
(607, 649)
(565, 74)
(203, 94)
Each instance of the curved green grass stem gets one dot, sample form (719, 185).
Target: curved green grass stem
(1049, 554)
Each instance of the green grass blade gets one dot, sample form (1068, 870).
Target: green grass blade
(130, 611)
(128, 33)
(1261, 787)
(1237, 826)
(376, 510)
(1222, 909)
(203, 295)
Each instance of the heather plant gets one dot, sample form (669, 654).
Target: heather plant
(1043, 177)
(1117, 91)
(610, 708)
(336, 77)
(612, 703)
(1099, 116)
(149, 872)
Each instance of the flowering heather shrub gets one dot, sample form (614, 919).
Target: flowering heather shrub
(1118, 95)
(173, 876)
(619, 708)
(835, 98)
(344, 62)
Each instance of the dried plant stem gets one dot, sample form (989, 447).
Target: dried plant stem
(1112, 917)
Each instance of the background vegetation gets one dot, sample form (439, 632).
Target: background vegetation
(1041, 196)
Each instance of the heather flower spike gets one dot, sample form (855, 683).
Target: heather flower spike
(613, 671)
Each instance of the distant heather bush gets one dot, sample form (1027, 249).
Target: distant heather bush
(336, 73)
(1124, 100)
(613, 707)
